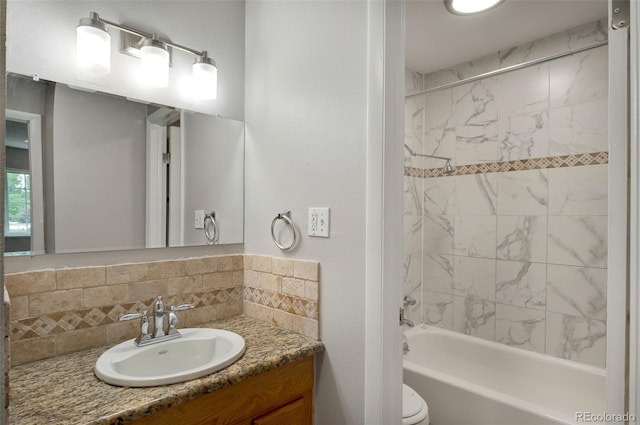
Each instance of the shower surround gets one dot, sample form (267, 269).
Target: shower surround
(512, 247)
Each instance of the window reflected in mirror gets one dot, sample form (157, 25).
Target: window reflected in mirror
(17, 213)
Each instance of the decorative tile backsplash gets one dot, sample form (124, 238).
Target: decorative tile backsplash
(512, 246)
(283, 292)
(58, 311)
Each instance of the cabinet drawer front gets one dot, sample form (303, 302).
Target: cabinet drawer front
(295, 413)
(248, 401)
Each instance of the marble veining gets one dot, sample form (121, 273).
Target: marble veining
(474, 277)
(521, 284)
(440, 233)
(523, 192)
(520, 327)
(412, 81)
(576, 338)
(64, 391)
(476, 194)
(578, 291)
(439, 196)
(474, 316)
(579, 190)
(438, 272)
(523, 91)
(579, 78)
(582, 36)
(523, 136)
(413, 193)
(522, 238)
(578, 241)
(475, 236)
(578, 129)
(438, 310)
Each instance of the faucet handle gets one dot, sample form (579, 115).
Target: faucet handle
(173, 317)
(144, 324)
(182, 307)
(132, 316)
(407, 301)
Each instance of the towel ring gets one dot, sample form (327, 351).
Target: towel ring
(211, 238)
(286, 217)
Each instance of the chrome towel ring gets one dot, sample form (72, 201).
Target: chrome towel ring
(211, 228)
(286, 217)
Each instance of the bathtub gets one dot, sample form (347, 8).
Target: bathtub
(470, 381)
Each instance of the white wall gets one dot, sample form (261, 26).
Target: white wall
(41, 40)
(100, 185)
(213, 148)
(306, 134)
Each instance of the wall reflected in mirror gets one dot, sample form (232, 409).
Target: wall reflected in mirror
(89, 171)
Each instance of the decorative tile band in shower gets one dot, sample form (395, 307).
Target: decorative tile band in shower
(516, 165)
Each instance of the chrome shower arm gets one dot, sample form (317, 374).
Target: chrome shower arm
(426, 155)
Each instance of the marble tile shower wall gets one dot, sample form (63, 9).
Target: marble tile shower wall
(512, 247)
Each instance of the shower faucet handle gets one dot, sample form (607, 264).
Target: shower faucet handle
(407, 301)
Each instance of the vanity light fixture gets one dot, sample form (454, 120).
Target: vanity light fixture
(154, 62)
(93, 53)
(93, 46)
(470, 7)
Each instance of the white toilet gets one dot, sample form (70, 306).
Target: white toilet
(414, 409)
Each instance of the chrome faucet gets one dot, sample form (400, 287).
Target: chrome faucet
(406, 302)
(144, 326)
(158, 317)
(404, 320)
(159, 314)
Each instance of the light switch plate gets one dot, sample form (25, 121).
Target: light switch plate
(319, 222)
(199, 220)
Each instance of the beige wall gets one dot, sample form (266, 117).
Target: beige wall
(58, 311)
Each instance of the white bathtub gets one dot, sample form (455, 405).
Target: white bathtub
(470, 381)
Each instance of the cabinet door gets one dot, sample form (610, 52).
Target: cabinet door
(294, 413)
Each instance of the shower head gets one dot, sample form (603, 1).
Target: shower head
(448, 168)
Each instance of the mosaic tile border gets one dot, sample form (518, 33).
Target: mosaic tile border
(294, 305)
(515, 165)
(56, 323)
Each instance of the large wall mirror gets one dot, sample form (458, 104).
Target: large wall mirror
(100, 165)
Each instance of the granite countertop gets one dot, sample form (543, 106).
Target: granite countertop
(63, 390)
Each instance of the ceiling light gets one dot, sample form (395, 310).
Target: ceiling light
(154, 60)
(205, 77)
(470, 7)
(93, 46)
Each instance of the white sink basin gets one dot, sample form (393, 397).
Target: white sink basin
(199, 352)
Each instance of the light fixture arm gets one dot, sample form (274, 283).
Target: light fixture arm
(143, 34)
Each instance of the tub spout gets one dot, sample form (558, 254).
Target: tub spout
(404, 320)
(405, 344)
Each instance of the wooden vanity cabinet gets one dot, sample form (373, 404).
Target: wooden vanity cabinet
(278, 397)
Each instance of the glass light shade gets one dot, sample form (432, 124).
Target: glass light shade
(205, 80)
(93, 49)
(469, 7)
(155, 65)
